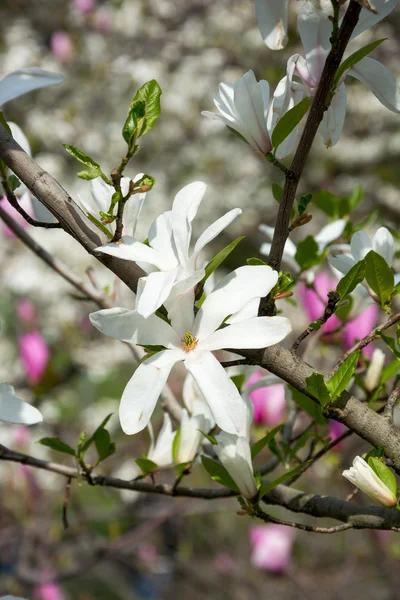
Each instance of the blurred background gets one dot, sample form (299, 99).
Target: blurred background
(122, 545)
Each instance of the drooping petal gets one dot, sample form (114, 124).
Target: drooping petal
(140, 396)
(360, 245)
(133, 207)
(249, 311)
(184, 210)
(101, 194)
(219, 391)
(215, 229)
(259, 332)
(231, 294)
(130, 249)
(160, 450)
(342, 263)
(161, 239)
(25, 80)
(272, 18)
(382, 83)
(249, 105)
(14, 410)
(129, 326)
(19, 136)
(315, 30)
(383, 244)
(330, 233)
(156, 289)
(331, 126)
(368, 19)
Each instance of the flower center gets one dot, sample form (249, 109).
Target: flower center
(189, 342)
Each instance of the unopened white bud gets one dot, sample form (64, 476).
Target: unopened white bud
(374, 372)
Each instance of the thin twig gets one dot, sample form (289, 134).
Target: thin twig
(392, 403)
(269, 519)
(234, 363)
(374, 335)
(12, 199)
(65, 503)
(333, 299)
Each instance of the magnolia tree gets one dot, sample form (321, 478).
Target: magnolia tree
(229, 330)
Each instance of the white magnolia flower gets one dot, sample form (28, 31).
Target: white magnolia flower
(194, 400)
(374, 371)
(169, 251)
(101, 194)
(235, 455)
(328, 234)
(23, 81)
(315, 28)
(272, 17)
(192, 339)
(14, 410)
(365, 478)
(191, 436)
(382, 243)
(160, 451)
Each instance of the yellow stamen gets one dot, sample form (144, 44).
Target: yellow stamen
(189, 342)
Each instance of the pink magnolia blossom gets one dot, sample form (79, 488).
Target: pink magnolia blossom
(26, 203)
(360, 327)
(271, 547)
(26, 312)
(21, 436)
(34, 353)
(336, 429)
(61, 46)
(269, 402)
(85, 6)
(314, 302)
(48, 591)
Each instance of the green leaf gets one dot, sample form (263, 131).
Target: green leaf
(135, 123)
(100, 225)
(57, 445)
(219, 258)
(374, 452)
(303, 202)
(104, 446)
(86, 445)
(390, 370)
(150, 94)
(273, 484)
(260, 444)
(327, 202)
(391, 343)
(175, 444)
(341, 379)
(277, 191)
(182, 467)
(309, 406)
(344, 308)
(14, 182)
(254, 262)
(218, 473)
(350, 203)
(317, 387)
(307, 253)
(349, 282)
(289, 121)
(147, 465)
(88, 175)
(209, 437)
(379, 276)
(82, 157)
(355, 58)
(384, 473)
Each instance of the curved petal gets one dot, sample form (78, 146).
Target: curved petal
(101, 194)
(331, 126)
(330, 233)
(133, 207)
(19, 136)
(25, 80)
(156, 289)
(129, 326)
(219, 391)
(14, 410)
(180, 310)
(342, 263)
(213, 230)
(315, 30)
(184, 210)
(360, 245)
(290, 247)
(161, 238)
(383, 244)
(140, 396)
(272, 18)
(259, 332)
(368, 19)
(382, 83)
(249, 105)
(247, 312)
(231, 294)
(130, 249)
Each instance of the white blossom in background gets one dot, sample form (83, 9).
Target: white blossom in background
(364, 477)
(374, 371)
(191, 437)
(14, 410)
(360, 244)
(160, 451)
(101, 194)
(169, 240)
(235, 455)
(326, 236)
(192, 339)
(272, 18)
(315, 28)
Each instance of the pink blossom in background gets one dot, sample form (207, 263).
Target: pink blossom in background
(26, 311)
(335, 430)
(103, 21)
(34, 354)
(48, 591)
(26, 203)
(271, 547)
(360, 327)
(61, 46)
(269, 402)
(85, 6)
(21, 435)
(314, 302)
(224, 563)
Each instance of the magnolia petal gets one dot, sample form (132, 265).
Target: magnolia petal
(161, 239)
(383, 244)
(382, 83)
(19, 135)
(129, 326)
(184, 210)
(133, 207)
(247, 312)
(130, 249)
(315, 30)
(156, 289)
(330, 233)
(140, 396)
(259, 332)
(25, 80)
(331, 126)
(342, 263)
(231, 294)
(180, 310)
(219, 391)
(290, 248)
(101, 194)
(160, 451)
(272, 18)
(368, 19)
(15, 410)
(215, 229)
(194, 401)
(249, 104)
(360, 245)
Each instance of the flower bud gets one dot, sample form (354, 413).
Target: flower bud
(365, 478)
(234, 453)
(374, 371)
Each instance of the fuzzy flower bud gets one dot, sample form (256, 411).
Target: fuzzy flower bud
(234, 453)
